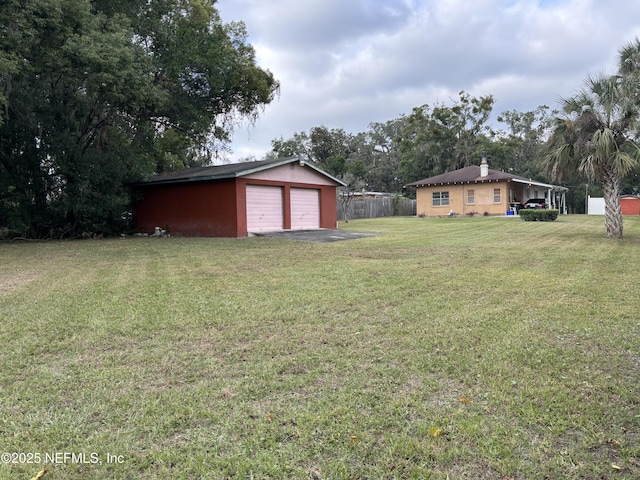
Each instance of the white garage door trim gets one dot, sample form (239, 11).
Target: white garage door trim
(264, 208)
(305, 208)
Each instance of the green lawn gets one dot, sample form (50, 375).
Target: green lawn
(476, 348)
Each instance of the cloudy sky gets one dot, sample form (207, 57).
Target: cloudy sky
(347, 63)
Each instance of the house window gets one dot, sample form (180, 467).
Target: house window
(440, 199)
(471, 198)
(497, 195)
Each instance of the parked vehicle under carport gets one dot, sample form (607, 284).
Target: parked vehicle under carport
(535, 203)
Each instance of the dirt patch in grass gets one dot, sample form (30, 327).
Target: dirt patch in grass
(14, 282)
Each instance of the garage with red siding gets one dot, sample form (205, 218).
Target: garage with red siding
(630, 205)
(236, 200)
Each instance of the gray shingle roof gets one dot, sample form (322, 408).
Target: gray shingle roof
(220, 172)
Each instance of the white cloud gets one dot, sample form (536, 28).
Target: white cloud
(346, 64)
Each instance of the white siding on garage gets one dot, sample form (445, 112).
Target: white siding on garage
(264, 208)
(305, 208)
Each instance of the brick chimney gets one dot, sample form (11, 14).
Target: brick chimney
(484, 165)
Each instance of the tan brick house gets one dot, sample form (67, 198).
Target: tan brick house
(479, 190)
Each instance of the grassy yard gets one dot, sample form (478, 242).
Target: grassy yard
(476, 348)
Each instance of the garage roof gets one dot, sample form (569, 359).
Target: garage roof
(230, 170)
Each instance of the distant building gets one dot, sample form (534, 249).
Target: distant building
(478, 190)
(629, 205)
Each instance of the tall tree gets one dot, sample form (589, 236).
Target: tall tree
(443, 138)
(329, 148)
(380, 154)
(296, 146)
(525, 135)
(99, 92)
(595, 136)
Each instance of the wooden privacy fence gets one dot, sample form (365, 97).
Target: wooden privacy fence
(378, 207)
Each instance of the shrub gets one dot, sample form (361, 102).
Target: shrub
(538, 215)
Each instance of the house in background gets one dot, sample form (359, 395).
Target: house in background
(235, 200)
(478, 190)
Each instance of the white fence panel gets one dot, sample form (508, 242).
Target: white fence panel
(595, 205)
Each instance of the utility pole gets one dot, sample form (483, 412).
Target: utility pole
(586, 198)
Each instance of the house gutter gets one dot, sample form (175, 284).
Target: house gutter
(540, 184)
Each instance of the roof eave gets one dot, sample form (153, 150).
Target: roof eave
(284, 161)
(459, 182)
(237, 174)
(313, 167)
(540, 184)
(171, 181)
(287, 161)
(483, 180)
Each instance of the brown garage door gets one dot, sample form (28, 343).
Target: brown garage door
(264, 208)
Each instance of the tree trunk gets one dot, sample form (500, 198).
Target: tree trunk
(346, 202)
(612, 210)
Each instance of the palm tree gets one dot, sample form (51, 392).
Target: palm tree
(630, 60)
(595, 137)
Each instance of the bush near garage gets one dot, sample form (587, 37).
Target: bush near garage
(538, 215)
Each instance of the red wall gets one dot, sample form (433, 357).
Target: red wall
(630, 206)
(328, 205)
(215, 209)
(203, 209)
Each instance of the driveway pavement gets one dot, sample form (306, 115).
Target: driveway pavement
(322, 235)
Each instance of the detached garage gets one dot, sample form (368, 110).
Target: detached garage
(238, 199)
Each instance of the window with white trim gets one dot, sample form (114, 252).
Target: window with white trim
(497, 195)
(440, 199)
(471, 197)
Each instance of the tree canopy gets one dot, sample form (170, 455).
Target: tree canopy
(98, 93)
(95, 93)
(435, 139)
(431, 140)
